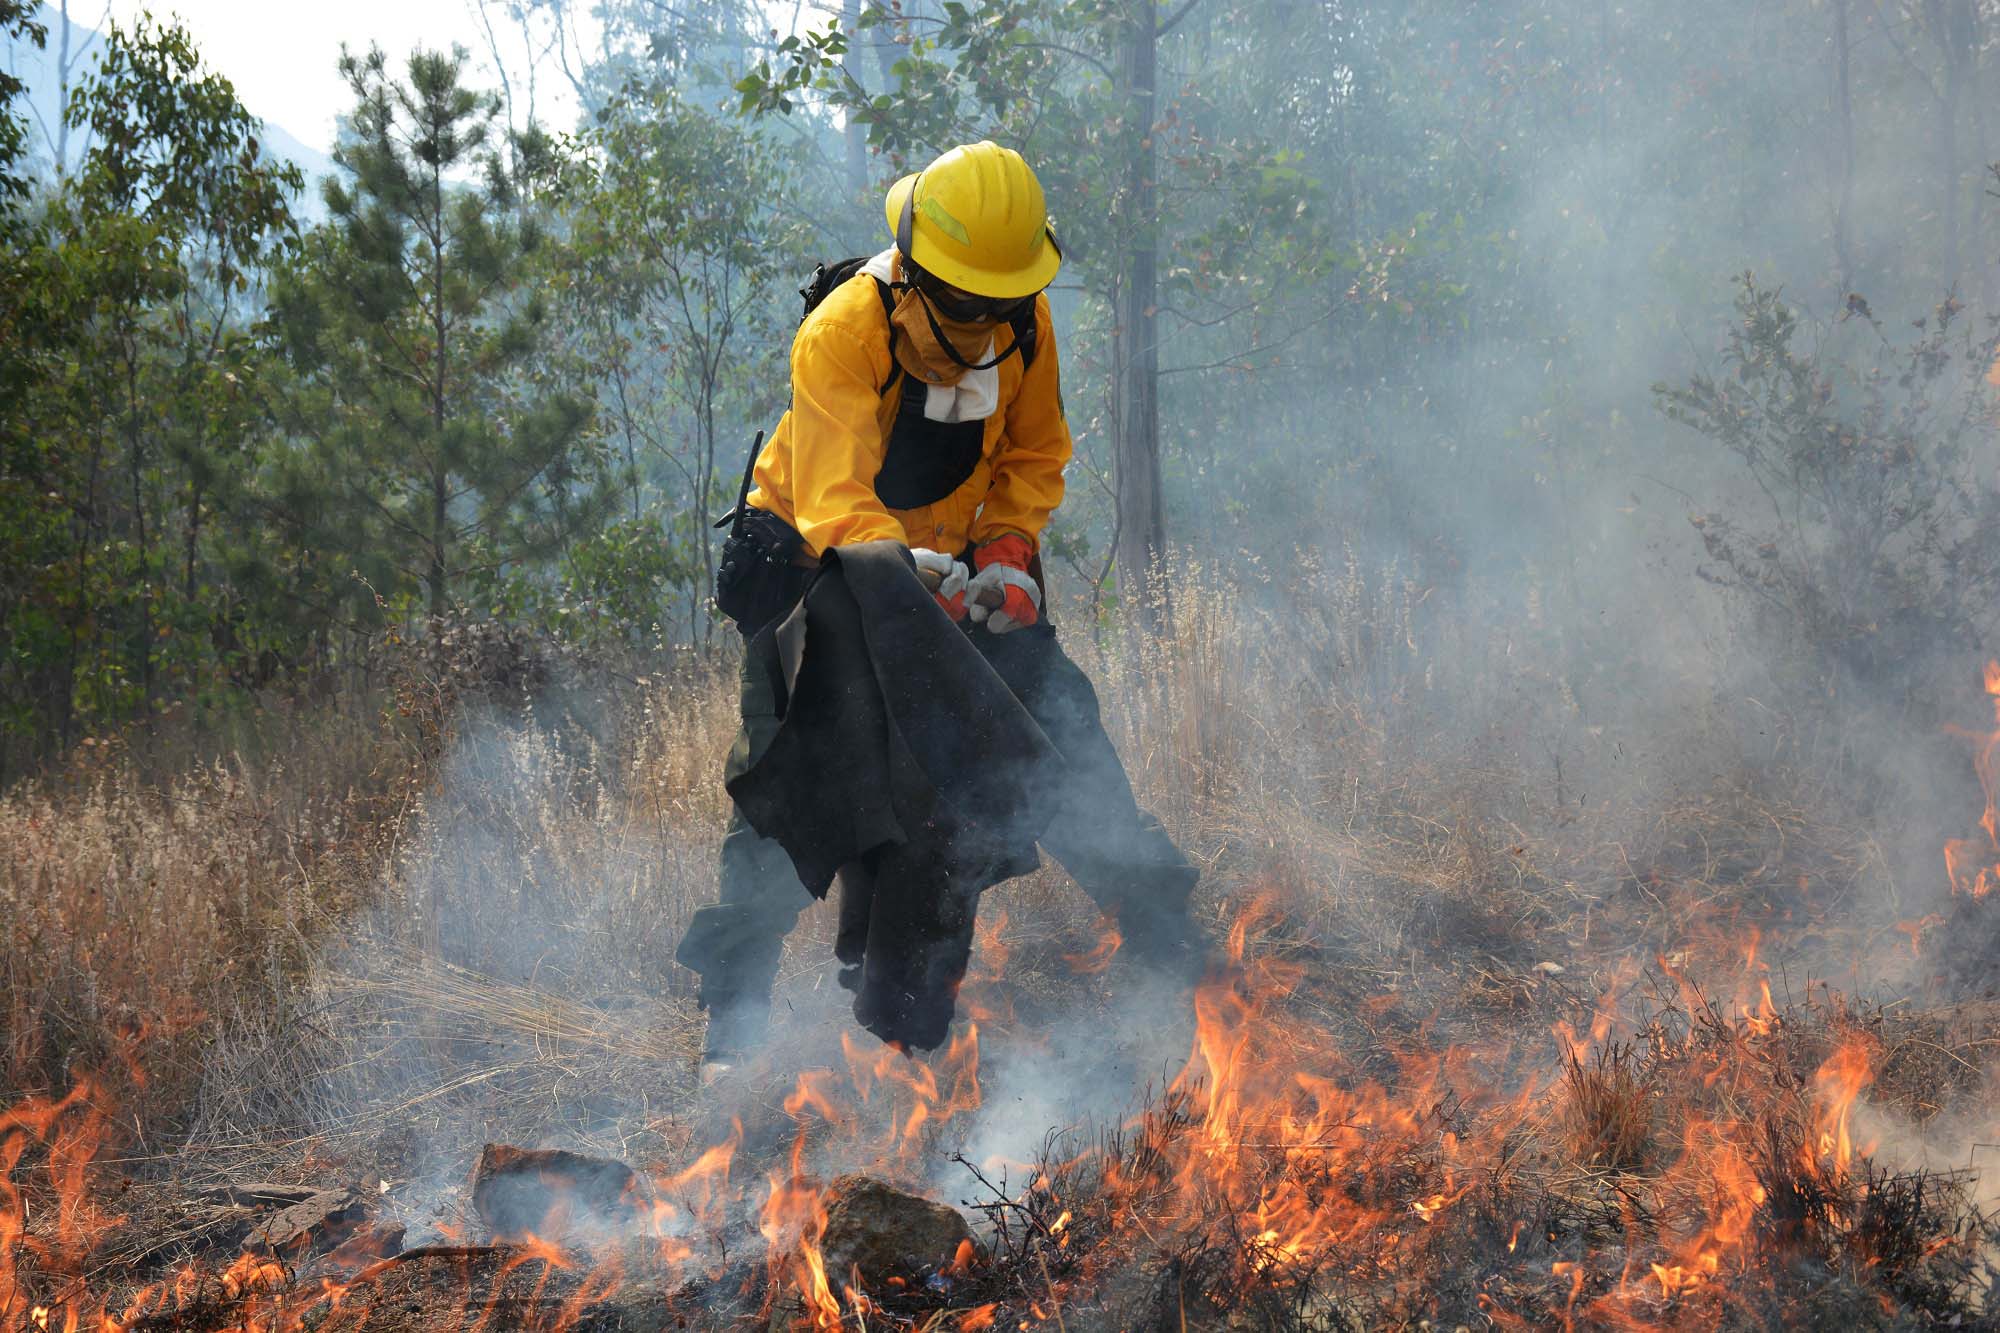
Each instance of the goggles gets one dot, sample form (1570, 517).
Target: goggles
(968, 309)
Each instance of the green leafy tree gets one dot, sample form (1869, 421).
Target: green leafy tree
(177, 188)
(436, 446)
(682, 254)
(17, 24)
(30, 522)
(130, 362)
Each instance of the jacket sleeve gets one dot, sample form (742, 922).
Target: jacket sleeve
(837, 445)
(1028, 469)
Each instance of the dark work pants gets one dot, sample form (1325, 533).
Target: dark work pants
(1115, 851)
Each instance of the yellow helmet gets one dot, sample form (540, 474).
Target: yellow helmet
(975, 218)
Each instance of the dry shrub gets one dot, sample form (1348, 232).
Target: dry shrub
(1916, 1234)
(1264, 686)
(1608, 1111)
(1935, 1058)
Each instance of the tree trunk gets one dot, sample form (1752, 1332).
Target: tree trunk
(857, 142)
(620, 377)
(193, 542)
(1948, 151)
(1950, 23)
(1974, 43)
(437, 579)
(1135, 341)
(882, 44)
(440, 574)
(136, 459)
(1843, 247)
(62, 96)
(704, 483)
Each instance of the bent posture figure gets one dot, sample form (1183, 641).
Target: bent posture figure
(926, 411)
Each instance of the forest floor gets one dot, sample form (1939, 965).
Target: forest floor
(1476, 1048)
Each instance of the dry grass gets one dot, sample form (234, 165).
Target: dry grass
(135, 916)
(375, 955)
(511, 974)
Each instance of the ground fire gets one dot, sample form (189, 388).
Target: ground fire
(1682, 1135)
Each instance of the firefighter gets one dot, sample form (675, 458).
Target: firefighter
(926, 410)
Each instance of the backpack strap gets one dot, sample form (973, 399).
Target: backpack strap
(888, 296)
(1024, 324)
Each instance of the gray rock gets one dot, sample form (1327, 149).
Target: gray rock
(551, 1193)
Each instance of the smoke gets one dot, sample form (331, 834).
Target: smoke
(1088, 1070)
(1489, 481)
(513, 983)
(1565, 238)
(511, 978)
(1959, 1141)
(1458, 609)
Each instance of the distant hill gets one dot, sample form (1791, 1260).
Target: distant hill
(37, 68)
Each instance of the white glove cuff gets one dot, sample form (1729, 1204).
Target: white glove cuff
(1009, 577)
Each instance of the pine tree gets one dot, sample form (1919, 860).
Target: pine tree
(436, 444)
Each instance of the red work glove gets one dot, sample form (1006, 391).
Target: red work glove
(1003, 578)
(948, 579)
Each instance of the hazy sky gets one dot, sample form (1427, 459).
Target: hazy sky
(281, 57)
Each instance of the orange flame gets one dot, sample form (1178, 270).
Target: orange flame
(1969, 864)
(1109, 940)
(792, 1222)
(1838, 1084)
(914, 1086)
(69, 1132)
(1263, 1091)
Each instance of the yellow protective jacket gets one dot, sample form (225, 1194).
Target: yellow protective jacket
(817, 472)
